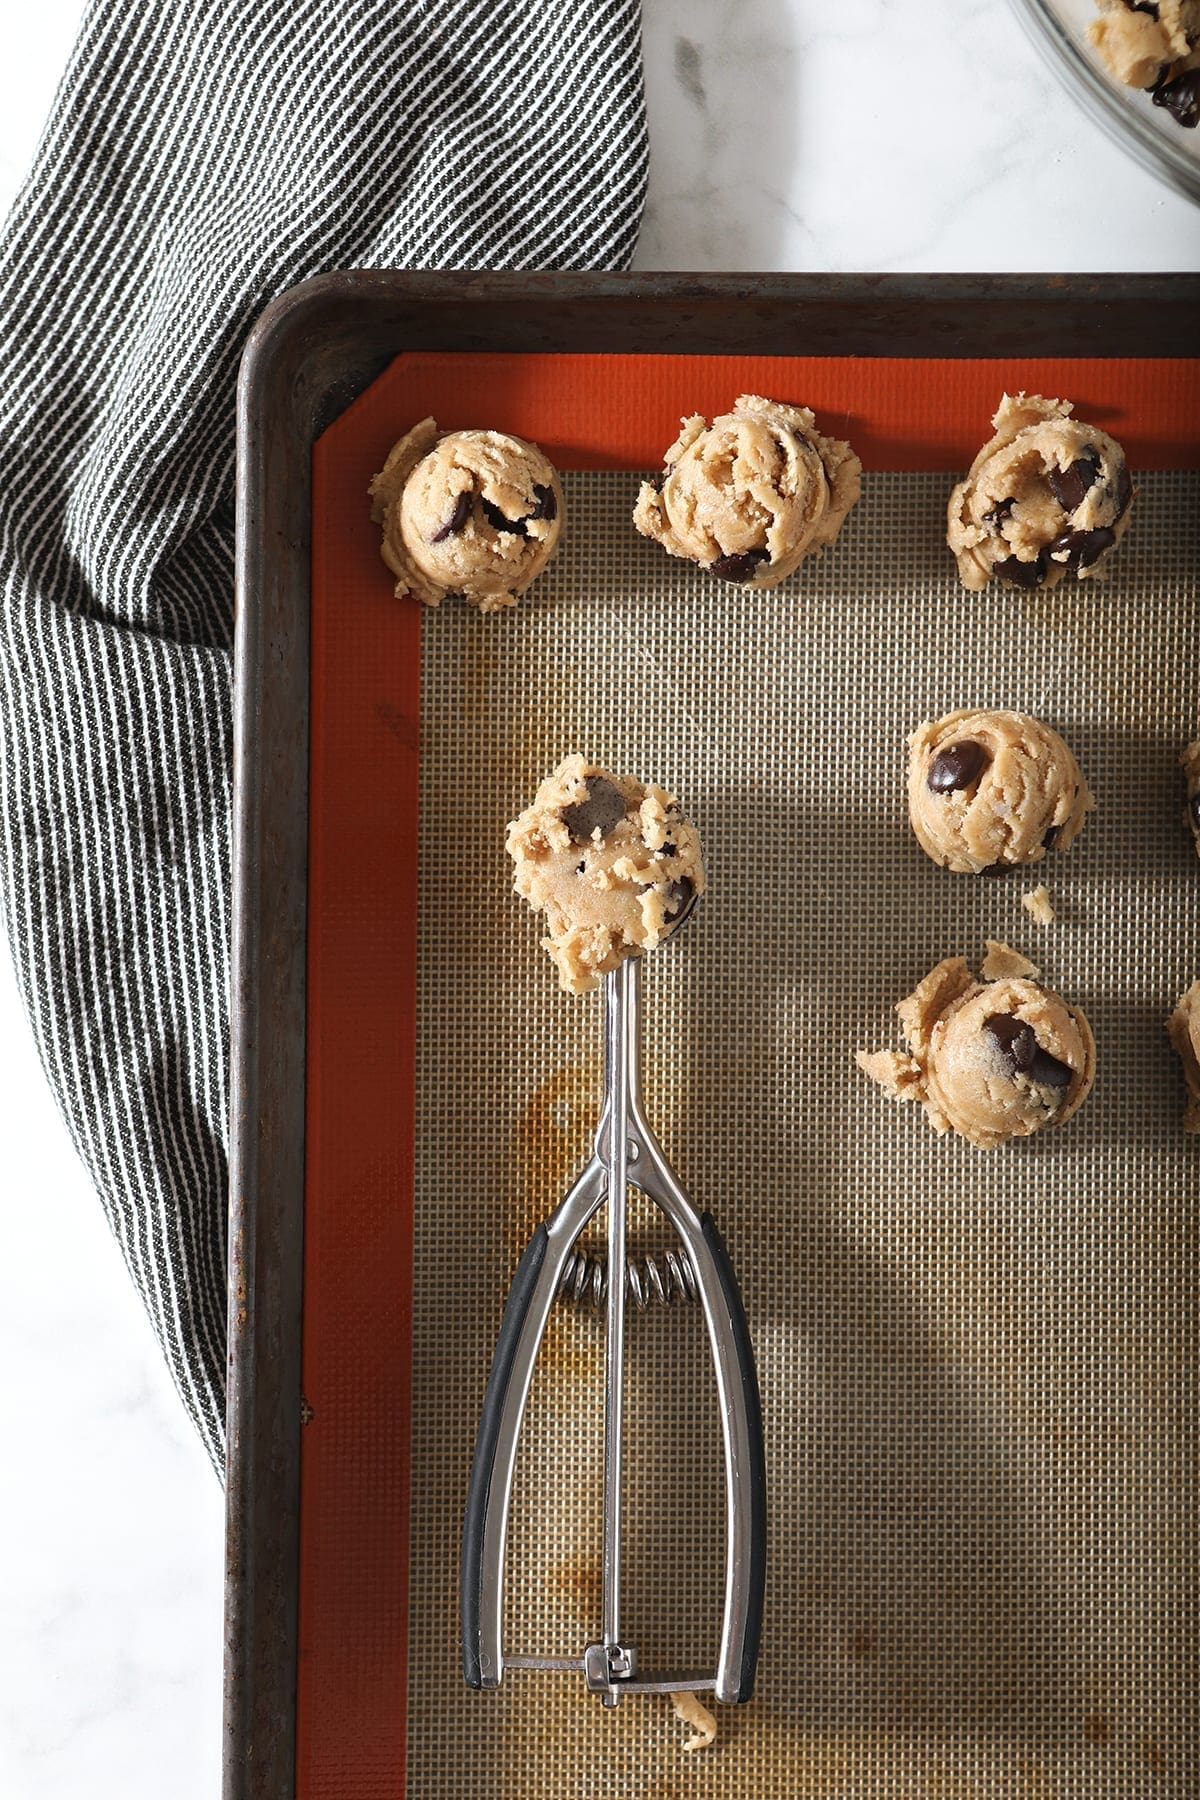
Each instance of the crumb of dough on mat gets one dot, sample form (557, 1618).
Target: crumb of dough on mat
(1038, 905)
(1002, 963)
(611, 863)
(899, 1076)
(691, 1711)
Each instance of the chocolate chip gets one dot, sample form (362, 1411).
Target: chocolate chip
(1023, 574)
(998, 868)
(1050, 836)
(602, 811)
(669, 849)
(996, 517)
(1071, 486)
(1049, 1071)
(1146, 6)
(1181, 98)
(681, 898)
(1083, 548)
(1124, 489)
(957, 766)
(500, 521)
(547, 505)
(457, 519)
(1018, 1041)
(738, 568)
(580, 867)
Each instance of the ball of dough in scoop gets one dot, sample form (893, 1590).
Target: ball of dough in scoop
(466, 512)
(752, 494)
(611, 862)
(989, 791)
(1046, 497)
(991, 1060)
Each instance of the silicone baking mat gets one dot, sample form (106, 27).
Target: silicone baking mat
(978, 1371)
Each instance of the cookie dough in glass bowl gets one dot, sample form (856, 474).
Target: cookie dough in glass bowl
(1060, 29)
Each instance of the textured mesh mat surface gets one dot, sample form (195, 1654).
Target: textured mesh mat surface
(978, 1371)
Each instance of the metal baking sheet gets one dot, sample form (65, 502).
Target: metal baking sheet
(976, 1370)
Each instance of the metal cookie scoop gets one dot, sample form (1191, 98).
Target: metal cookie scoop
(626, 1150)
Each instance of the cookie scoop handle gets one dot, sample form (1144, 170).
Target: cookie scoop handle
(485, 1522)
(733, 1368)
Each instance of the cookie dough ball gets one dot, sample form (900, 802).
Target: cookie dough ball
(1153, 45)
(989, 791)
(989, 1059)
(1183, 1029)
(752, 494)
(612, 863)
(466, 512)
(1189, 762)
(1046, 497)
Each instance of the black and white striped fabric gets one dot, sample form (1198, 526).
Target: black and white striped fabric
(203, 155)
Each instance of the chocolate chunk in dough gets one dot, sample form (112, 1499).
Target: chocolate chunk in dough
(1181, 98)
(500, 521)
(600, 811)
(457, 519)
(1081, 549)
(957, 766)
(738, 568)
(681, 899)
(1070, 485)
(1018, 1040)
(1022, 574)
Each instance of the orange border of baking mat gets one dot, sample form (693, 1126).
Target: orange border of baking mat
(588, 411)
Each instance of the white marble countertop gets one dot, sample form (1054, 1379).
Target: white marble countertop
(786, 134)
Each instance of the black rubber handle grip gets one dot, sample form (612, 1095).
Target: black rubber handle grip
(757, 1581)
(479, 1488)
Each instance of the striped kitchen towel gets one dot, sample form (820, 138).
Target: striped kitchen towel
(202, 156)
